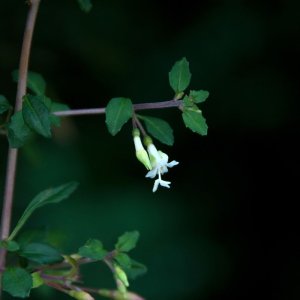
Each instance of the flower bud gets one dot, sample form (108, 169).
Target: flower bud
(116, 295)
(140, 152)
(80, 295)
(147, 140)
(121, 275)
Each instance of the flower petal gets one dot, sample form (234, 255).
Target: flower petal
(155, 186)
(164, 157)
(152, 173)
(163, 169)
(172, 163)
(153, 152)
(165, 183)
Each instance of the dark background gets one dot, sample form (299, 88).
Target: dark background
(227, 229)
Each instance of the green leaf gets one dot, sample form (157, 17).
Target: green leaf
(127, 241)
(123, 260)
(41, 253)
(198, 96)
(52, 195)
(10, 246)
(136, 269)
(36, 115)
(17, 282)
(188, 102)
(32, 236)
(4, 104)
(85, 5)
(189, 105)
(118, 112)
(55, 120)
(17, 131)
(180, 76)
(56, 106)
(159, 129)
(35, 82)
(93, 249)
(195, 121)
(53, 107)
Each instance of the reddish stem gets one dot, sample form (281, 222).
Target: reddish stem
(13, 153)
(138, 106)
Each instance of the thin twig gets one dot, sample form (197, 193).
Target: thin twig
(139, 124)
(65, 264)
(13, 153)
(53, 277)
(25, 52)
(138, 106)
(57, 286)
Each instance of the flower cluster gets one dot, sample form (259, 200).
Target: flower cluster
(155, 161)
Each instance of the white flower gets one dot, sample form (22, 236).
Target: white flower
(160, 165)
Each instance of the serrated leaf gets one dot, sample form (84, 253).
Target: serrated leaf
(123, 260)
(36, 115)
(17, 131)
(187, 101)
(180, 76)
(41, 253)
(198, 96)
(136, 269)
(189, 105)
(195, 121)
(10, 246)
(127, 241)
(4, 104)
(35, 82)
(17, 282)
(85, 5)
(93, 249)
(118, 112)
(159, 129)
(49, 196)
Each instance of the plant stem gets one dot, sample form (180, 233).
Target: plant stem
(25, 52)
(57, 286)
(13, 153)
(138, 106)
(139, 124)
(52, 277)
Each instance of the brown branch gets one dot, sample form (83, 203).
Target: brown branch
(13, 153)
(138, 106)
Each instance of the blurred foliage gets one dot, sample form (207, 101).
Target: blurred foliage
(227, 229)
